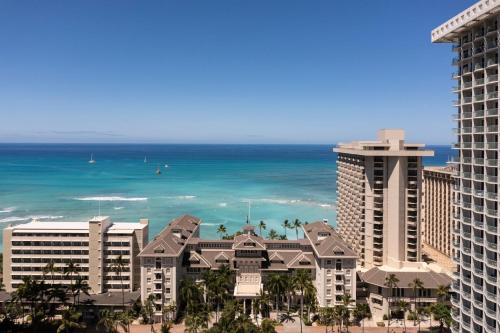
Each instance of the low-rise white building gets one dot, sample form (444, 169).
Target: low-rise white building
(92, 247)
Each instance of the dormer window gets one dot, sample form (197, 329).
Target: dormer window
(159, 250)
(249, 244)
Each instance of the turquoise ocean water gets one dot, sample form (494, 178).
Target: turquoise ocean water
(55, 182)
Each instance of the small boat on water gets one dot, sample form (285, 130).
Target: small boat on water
(158, 171)
(166, 166)
(91, 161)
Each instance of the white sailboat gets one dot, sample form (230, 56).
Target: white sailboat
(91, 161)
(145, 159)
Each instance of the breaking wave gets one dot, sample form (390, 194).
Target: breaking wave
(30, 218)
(7, 210)
(111, 199)
(280, 201)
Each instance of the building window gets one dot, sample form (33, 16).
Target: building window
(338, 265)
(328, 292)
(328, 282)
(328, 272)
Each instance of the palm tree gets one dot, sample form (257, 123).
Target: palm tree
(50, 268)
(262, 225)
(70, 269)
(403, 307)
(346, 302)
(148, 310)
(276, 285)
(109, 322)
(416, 285)
(310, 296)
(79, 287)
(286, 225)
(197, 321)
(297, 224)
(443, 292)
(190, 294)
(272, 234)
(302, 280)
(362, 312)
(441, 313)
(70, 320)
(391, 282)
(222, 230)
(286, 317)
(118, 267)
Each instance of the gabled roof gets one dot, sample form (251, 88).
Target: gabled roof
(197, 260)
(276, 256)
(302, 260)
(241, 240)
(222, 256)
(326, 242)
(211, 256)
(173, 238)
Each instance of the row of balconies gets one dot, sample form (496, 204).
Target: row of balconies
(465, 85)
(478, 98)
(479, 193)
(477, 130)
(475, 50)
(476, 114)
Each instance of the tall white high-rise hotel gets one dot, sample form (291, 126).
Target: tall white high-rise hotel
(474, 35)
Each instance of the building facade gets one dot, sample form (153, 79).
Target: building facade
(474, 36)
(378, 198)
(178, 252)
(93, 247)
(379, 186)
(437, 210)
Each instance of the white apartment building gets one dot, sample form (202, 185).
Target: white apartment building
(379, 186)
(92, 247)
(178, 252)
(378, 198)
(474, 35)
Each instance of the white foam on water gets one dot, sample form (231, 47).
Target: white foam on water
(7, 210)
(30, 218)
(185, 197)
(13, 219)
(111, 199)
(282, 201)
(222, 204)
(118, 208)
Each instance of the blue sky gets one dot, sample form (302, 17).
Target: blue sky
(223, 71)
